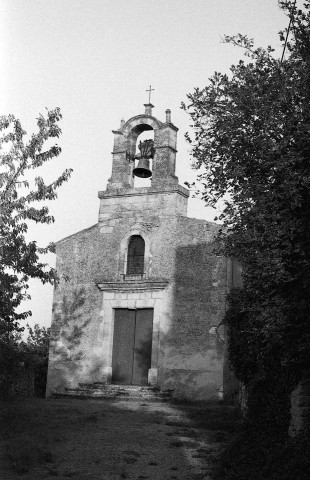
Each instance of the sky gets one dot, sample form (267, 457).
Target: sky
(95, 59)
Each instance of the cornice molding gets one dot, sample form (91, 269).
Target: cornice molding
(156, 190)
(133, 285)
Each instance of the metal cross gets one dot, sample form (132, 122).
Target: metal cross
(150, 90)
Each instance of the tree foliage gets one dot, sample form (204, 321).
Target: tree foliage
(35, 352)
(251, 146)
(23, 364)
(20, 204)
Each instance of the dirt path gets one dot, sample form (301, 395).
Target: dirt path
(111, 440)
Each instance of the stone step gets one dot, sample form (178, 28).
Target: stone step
(128, 392)
(118, 387)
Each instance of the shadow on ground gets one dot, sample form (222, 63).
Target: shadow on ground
(106, 439)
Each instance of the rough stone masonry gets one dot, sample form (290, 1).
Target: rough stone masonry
(158, 325)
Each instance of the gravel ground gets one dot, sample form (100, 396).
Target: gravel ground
(111, 440)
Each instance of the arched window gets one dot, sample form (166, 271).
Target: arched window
(135, 258)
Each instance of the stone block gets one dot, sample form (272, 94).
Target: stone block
(140, 304)
(104, 215)
(145, 295)
(111, 223)
(105, 230)
(109, 295)
(133, 296)
(131, 304)
(158, 294)
(107, 374)
(122, 303)
(107, 207)
(153, 376)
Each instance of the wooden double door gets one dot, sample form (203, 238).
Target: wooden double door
(132, 346)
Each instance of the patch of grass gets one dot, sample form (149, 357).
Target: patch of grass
(130, 460)
(199, 455)
(52, 472)
(25, 443)
(219, 437)
(193, 433)
(199, 476)
(24, 452)
(91, 419)
(206, 450)
(69, 473)
(171, 423)
(214, 417)
(261, 457)
(132, 453)
(176, 443)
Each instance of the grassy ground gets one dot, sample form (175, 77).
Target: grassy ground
(254, 456)
(93, 439)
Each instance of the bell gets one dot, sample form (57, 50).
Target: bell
(142, 170)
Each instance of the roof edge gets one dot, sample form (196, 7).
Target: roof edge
(76, 233)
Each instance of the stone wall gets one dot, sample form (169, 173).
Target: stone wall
(179, 250)
(75, 350)
(184, 281)
(191, 352)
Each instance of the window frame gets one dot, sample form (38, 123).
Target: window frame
(135, 264)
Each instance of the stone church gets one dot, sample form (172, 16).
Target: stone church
(141, 295)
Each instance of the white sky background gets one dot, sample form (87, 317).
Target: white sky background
(95, 59)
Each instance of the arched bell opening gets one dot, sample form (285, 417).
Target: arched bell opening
(143, 162)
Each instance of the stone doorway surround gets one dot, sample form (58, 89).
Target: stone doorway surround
(133, 294)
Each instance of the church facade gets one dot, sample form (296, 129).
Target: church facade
(141, 295)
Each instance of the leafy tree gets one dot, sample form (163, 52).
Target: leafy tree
(17, 357)
(10, 363)
(19, 205)
(251, 146)
(19, 258)
(38, 340)
(35, 352)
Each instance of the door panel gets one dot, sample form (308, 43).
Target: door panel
(143, 346)
(123, 345)
(132, 346)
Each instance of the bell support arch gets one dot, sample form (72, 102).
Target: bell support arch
(125, 138)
